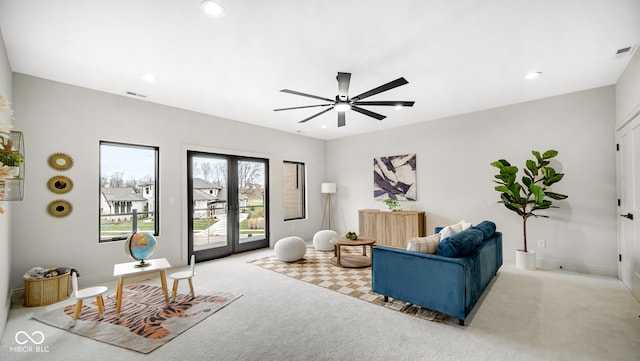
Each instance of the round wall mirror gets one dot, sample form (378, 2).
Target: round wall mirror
(60, 161)
(59, 208)
(59, 184)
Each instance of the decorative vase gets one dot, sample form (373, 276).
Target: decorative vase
(525, 260)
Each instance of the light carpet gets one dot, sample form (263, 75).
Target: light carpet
(146, 321)
(316, 269)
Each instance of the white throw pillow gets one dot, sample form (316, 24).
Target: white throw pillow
(454, 228)
(424, 244)
(465, 224)
(446, 232)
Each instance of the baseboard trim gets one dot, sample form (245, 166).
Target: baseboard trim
(17, 296)
(576, 267)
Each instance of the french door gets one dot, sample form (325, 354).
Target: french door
(228, 204)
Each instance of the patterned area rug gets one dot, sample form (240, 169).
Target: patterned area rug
(145, 323)
(315, 268)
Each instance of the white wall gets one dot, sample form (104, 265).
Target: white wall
(628, 92)
(5, 243)
(57, 117)
(455, 179)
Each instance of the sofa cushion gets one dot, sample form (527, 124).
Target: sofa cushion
(424, 244)
(488, 228)
(460, 244)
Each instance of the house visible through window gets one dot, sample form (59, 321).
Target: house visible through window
(128, 190)
(294, 190)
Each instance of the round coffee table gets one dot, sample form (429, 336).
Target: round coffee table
(352, 260)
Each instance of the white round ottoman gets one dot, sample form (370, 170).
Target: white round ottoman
(322, 240)
(290, 249)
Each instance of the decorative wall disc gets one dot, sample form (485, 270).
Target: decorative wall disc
(59, 184)
(60, 161)
(59, 208)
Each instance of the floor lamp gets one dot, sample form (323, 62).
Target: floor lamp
(328, 189)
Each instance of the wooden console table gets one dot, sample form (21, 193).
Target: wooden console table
(391, 228)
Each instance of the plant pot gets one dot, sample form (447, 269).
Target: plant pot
(525, 260)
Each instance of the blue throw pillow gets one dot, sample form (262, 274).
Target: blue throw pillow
(460, 244)
(488, 228)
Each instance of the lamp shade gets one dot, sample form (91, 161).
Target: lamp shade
(328, 188)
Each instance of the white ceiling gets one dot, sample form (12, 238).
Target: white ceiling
(458, 56)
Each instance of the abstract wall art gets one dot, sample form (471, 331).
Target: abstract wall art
(395, 177)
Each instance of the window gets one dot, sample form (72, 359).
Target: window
(294, 190)
(128, 190)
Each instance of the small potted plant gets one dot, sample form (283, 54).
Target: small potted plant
(393, 204)
(530, 196)
(11, 158)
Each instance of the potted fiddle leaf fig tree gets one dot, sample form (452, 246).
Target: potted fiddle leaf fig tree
(529, 195)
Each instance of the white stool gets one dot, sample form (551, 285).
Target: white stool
(290, 249)
(322, 240)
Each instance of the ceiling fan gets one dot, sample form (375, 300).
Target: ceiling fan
(342, 102)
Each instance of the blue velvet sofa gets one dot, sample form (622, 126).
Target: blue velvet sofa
(450, 281)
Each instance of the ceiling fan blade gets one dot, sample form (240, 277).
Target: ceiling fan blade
(390, 103)
(306, 95)
(367, 112)
(343, 84)
(341, 119)
(382, 88)
(313, 116)
(304, 106)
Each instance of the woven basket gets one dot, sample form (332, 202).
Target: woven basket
(45, 291)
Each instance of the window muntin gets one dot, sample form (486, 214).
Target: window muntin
(128, 183)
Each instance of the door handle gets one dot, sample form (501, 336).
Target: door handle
(628, 216)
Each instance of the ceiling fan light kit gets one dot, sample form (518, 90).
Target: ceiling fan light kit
(342, 107)
(342, 102)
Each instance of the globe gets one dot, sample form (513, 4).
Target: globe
(140, 246)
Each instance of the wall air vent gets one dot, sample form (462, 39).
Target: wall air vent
(624, 52)
(136, 94)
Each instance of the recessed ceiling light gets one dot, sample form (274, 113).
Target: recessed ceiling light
(149, 78)
(399, 107)
(533, 75)
(212, 8)
(323, 126)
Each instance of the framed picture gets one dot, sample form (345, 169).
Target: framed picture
(395, 177)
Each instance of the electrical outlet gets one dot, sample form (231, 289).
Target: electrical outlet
(542, 243)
